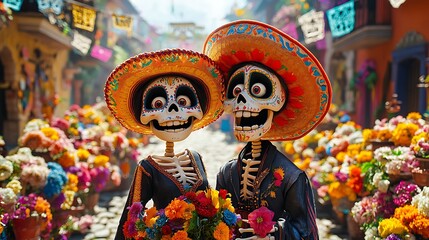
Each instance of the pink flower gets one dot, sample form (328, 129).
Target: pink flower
(261, 221)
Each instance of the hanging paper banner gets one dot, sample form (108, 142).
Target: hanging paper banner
(101, 53)
(341, 19)
(396, 3)
(83, 18)
(123, 22)
(55, 5)
(81, 43)
(13, 4)
(313, 26)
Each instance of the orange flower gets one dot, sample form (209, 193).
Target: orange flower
(364, 156)
(420, 225)
(67, 159)
(180, 235)
(221, 232)
(150, 213)
(176, 209)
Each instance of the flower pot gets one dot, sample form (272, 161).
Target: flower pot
(91, 201)
(396, 178)
(353, 229)
(421, 178)
(379, 144)
(423, 163)
(28, 228)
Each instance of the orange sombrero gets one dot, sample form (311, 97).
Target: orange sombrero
(308, 86)
(127, 78)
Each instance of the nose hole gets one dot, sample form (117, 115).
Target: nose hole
(173, 107)
(241, 99)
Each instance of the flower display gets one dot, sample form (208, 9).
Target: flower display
(202, 215)
(404, 193)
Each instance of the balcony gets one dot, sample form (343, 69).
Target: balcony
(37, 25)
(372, 26)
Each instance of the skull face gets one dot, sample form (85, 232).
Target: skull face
(170, 106)
(253, 95)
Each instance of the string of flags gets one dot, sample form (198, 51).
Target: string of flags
(80, 25)
(341, 20)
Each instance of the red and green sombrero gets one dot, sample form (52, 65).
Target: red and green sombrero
(308, 85)
(126, 79)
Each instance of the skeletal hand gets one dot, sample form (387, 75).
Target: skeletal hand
(256, 237)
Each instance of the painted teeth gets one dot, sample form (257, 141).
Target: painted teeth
(174, 130)
(246, 128)
(246, 114)
(173, 123)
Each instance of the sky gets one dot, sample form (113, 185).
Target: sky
(206, 13)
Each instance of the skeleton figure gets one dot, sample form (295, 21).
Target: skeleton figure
(168, 93)
(253, 95)
(276, 91)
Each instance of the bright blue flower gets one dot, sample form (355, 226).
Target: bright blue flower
(229, 217)
(57, 177)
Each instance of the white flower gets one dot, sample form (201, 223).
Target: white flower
(371, 234)
(383, 186)
(6, 168)
(7, 196)
(421, 201)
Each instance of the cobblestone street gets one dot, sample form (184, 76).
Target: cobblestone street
(215, 151)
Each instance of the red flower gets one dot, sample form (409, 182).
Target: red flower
(204, 206)
(261, 221)
(130, 229)
(166, 230)
(223, 193)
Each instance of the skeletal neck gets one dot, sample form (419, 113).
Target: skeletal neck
(169, 149)
(256, 149)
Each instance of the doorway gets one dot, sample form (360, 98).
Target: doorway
(408, 78)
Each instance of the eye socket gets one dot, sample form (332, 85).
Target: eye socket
(237, 90)
(158, 102)
(184, 101)
(258, 90)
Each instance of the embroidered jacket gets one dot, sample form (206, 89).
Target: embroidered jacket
(292, 200)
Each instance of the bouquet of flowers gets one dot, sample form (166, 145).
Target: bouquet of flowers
(201, 215)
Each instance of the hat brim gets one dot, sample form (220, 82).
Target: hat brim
(124, 81)
(308, 86)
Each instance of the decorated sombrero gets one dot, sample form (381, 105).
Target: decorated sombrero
(127, 79)
(308, 86)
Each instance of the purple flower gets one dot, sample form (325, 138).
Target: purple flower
(393, 237)
(342, 177)
(135, 210)
(404, 193)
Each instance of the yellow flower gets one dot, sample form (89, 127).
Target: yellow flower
(228, 205)
(289, 148)
(71, 183)
(403, 134)
(367, 135)
(221, 232)
(340, 156)
(69, 198)
(101, 161)
(391, 226)
(50, 133)
(414, 116)
(83, 154)
(384, 135)
(150, 213)
(354, 149)
(15, 185)
(364, 156)
(273, 194)
(213, 194)
(180, 235)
